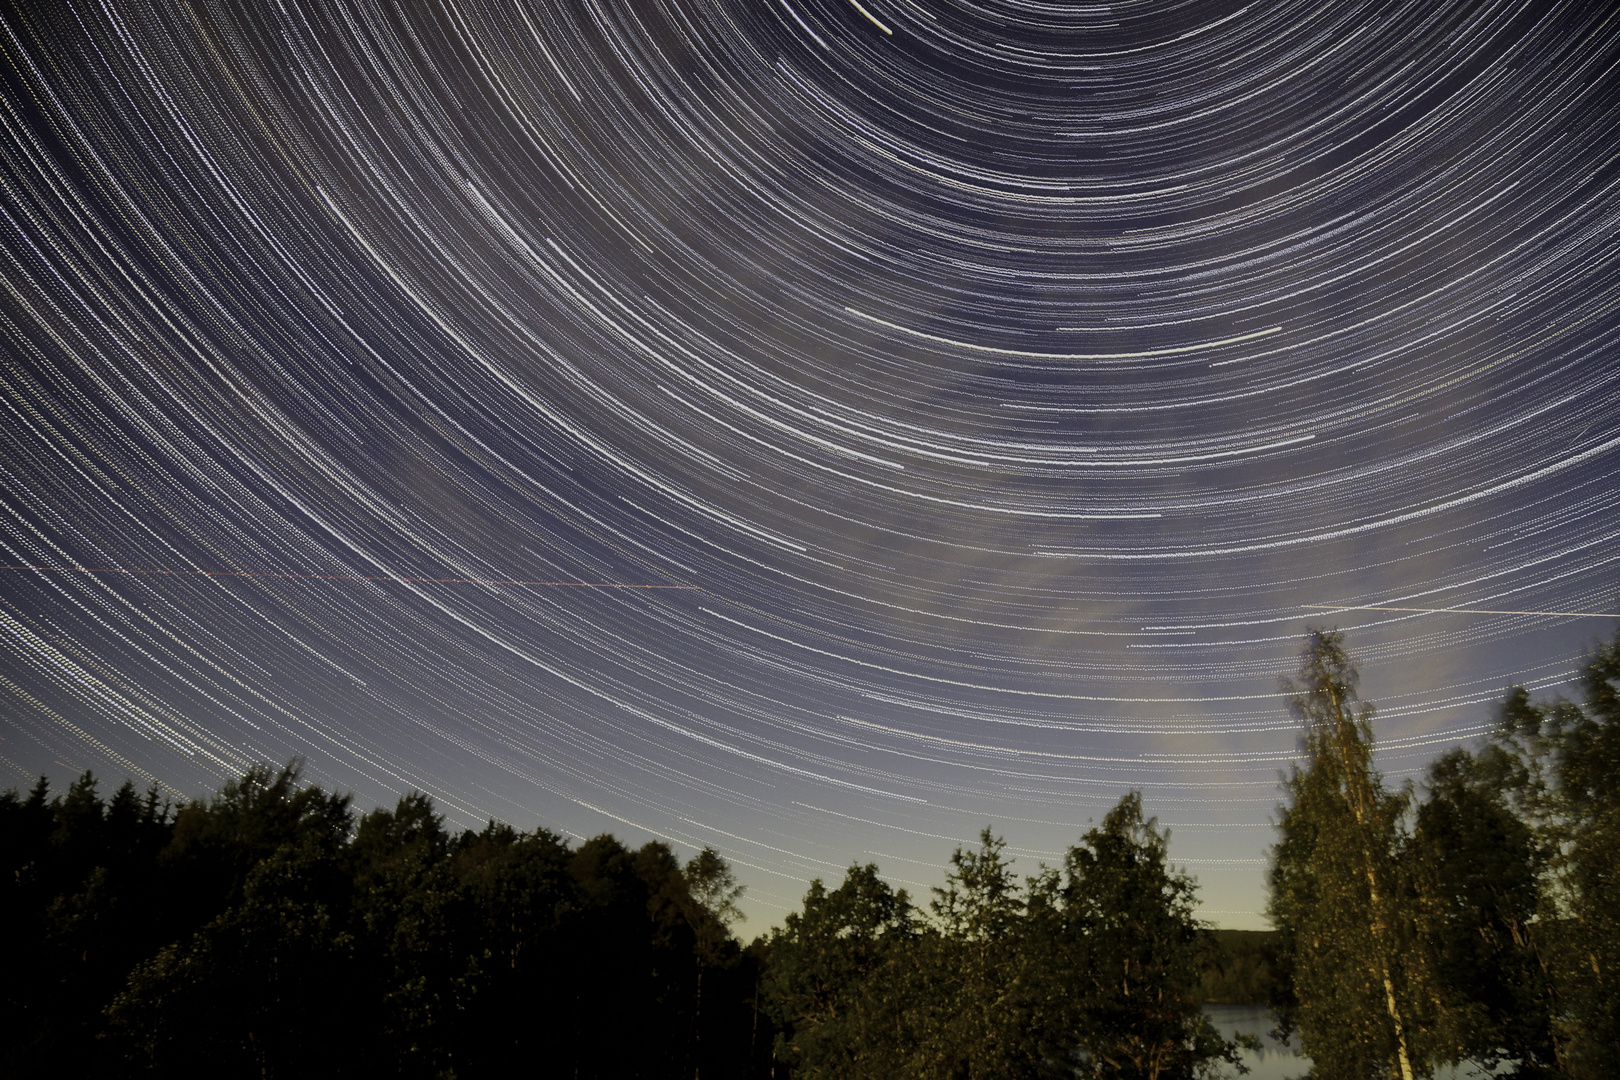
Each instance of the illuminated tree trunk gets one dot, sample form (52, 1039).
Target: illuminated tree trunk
(1358, 783)
(1334, 889)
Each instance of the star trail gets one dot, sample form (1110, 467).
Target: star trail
(957, 408)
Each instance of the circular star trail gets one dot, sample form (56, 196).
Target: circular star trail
(809, 428)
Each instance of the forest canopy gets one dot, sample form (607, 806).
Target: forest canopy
(270, 930)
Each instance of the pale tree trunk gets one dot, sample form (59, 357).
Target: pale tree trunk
(1359, 796)
(1379, 934)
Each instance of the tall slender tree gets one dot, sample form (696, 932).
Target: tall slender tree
(710, 908)
(1336, 889)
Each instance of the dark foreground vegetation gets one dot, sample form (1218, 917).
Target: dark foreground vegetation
(269, 931)
(1244, 968)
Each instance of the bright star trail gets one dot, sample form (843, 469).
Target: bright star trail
(959, 409)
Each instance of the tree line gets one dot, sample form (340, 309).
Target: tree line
(269, 930)
(1473, 920)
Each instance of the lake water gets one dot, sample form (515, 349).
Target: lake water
(1277, 1060)
(1282, 1061)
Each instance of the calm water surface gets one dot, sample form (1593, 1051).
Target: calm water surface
(1280, 1061)
(1277, 1060)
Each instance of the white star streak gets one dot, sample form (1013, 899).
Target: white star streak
(812, 428)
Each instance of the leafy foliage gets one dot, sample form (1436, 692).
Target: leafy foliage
(839, 975)
(1088, 970)
(1489, 911)
(266, 929)
(1558, 764)
(1243, 969)
(1475, 866)
(1128, 927)
(81, 898)
(270, 931)
(1336, 885)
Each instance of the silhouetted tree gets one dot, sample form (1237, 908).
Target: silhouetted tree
(711, 909)
(1475, 867)
(839, 978)
(416, 936)
(534, 962)
(218, 841)
(79, 897)
(1566, 787)
(27, 877)
(264, 989)
(1243, 969)
(1129, 953)
(263, 931)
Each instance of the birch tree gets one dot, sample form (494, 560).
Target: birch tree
(1335, 883)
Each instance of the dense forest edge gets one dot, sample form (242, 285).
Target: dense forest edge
(270, 930)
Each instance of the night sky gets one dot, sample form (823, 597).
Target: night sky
(813, 429)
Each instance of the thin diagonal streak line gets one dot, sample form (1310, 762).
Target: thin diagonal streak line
(1467, 611)
(348, 577)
